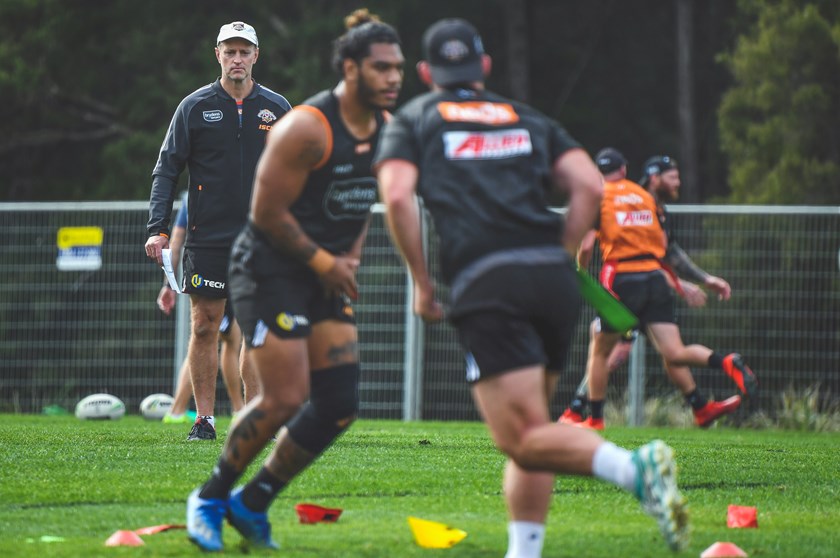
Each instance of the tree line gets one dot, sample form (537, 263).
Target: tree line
(745, 94)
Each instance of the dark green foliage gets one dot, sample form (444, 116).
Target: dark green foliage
(779, 123)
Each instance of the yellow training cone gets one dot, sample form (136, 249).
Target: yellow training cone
(430, 534)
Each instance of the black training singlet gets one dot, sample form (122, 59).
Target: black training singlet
(485, 165)
(336, 200)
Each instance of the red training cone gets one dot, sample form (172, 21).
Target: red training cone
(723, 550)
(313, 513)
(124, 538)
(741, 516)
(154, 529)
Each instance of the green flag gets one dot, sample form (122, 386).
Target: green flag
(609, 308)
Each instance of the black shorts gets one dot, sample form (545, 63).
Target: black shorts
(516, 316)
(227, 319)
(206, 272)
(648, 295)
(273, 293)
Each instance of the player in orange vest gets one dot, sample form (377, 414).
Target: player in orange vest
(643, 267)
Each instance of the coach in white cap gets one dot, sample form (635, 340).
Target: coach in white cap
(217, 134)
(237, 29)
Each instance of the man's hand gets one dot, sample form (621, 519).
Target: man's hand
(426, 306)
(721, 287)
(154, 245)
(341, 277)
(166, 300)
(694, 296)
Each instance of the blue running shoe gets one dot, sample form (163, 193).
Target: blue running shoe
(253, 526)
(204, 521)
(656, 488)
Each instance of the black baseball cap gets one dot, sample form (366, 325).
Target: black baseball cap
(454, 50)
(609, 160)
(657, 165)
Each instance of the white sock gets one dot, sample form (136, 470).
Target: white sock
(209, 418)
(614, 464)
(525, 539)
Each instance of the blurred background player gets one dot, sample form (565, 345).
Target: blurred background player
(293, 275)
(229, 336)
(483, 166)
(217, 133)
(642, 266)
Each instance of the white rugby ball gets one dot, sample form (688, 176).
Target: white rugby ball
(155, 406)
(100, 406)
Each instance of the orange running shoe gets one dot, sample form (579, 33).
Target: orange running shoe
(590, 423)
(711, 411)
(735, 368)
(570, 417)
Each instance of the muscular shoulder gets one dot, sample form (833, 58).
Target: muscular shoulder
(303, 135)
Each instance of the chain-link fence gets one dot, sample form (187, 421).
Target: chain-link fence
(79, 317)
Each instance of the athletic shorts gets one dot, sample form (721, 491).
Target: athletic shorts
(227, 318)
(271, 292)
(206, 272)
(648, 295)
(516, 316)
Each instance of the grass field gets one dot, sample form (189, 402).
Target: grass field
(81, 481)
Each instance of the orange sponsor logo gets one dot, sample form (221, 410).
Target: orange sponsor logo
(482, 112)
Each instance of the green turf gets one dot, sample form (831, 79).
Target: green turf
(82, 481)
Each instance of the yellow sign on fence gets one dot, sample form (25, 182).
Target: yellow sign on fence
(79, 248)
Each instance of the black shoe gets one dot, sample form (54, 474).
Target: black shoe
(202, 430)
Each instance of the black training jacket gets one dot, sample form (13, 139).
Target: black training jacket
(220, 151)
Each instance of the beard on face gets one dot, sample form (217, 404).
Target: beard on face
(367, 95)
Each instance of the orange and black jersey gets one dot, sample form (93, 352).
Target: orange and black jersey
(631, 229)
(336, 199)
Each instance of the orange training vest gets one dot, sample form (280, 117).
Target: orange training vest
(630, 236)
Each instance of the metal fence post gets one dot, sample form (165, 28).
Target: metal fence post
(414, 342)
(636, 383)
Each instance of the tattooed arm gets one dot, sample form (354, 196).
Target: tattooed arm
(295, 146)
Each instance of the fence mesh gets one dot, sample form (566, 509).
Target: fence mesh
(66, 334)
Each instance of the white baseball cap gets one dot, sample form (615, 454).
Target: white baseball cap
(237, 29)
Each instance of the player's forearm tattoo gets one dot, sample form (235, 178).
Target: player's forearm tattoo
(683, 265)
(343, 353)
(293, 242)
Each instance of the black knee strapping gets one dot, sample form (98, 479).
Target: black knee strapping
(332, 406)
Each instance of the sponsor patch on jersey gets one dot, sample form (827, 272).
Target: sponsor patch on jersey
(478, 111)
(212, 115)
(487, 145)
(628, 199)
(634, 218)
(350, 198)
(266, 116)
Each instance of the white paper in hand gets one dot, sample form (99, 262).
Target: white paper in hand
(166, 255)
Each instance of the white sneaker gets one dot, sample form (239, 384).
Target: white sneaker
(656, 488)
